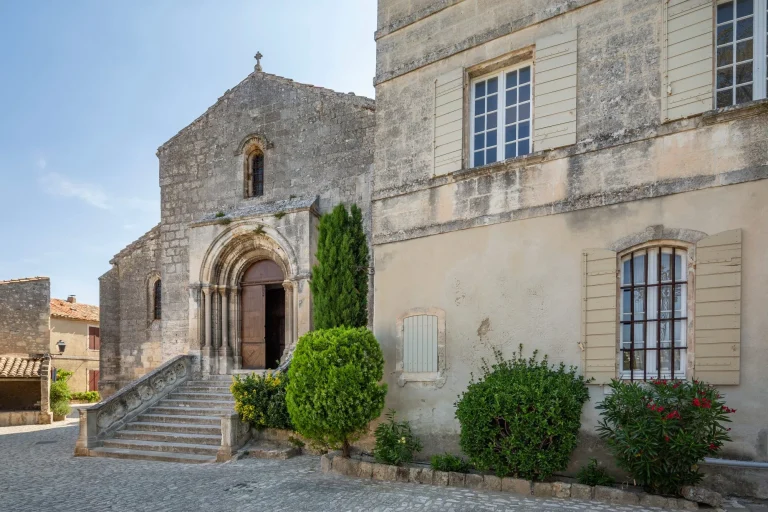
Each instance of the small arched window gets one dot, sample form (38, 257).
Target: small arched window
(157, 300)
(256, 171)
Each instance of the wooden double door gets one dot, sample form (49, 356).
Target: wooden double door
(262, 313)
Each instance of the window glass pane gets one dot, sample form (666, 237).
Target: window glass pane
(525, 75)
(493, 101)
(525, 93)
(744, 29)
(479, 124)
(744, 73)
(639, 303)
(525, 111)
(511, 132)
(493, 85)
(725, 12)
(480, 141)
(725, 98)
(666, 303)
(680, 266)
(511, 96)
(724, 56)
(744, 94)
(680, 290)
(524, 130)
(725, 34)
(490, 138)
(724, 77)
(490, 156)
(744, 51)
(626, 305)
(744, 8)
(479, 89)
(625, 278)
(492, 120)
(511, 114)
(511, 79)
(639, 260)
(523, 147)
(510, 151)
(625, 333)
(480, 106)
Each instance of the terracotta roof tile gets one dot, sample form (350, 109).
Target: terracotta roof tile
(20, 367)
(74, 311)
(24, 280)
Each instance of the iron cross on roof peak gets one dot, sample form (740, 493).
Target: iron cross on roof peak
(258, 57)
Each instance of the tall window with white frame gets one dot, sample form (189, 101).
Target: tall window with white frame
(741, 51)
(501, 115)
(654, 313)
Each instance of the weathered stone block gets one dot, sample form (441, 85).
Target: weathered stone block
(702, 495)
(491, 483)
(365, 469)
(542, 489)
(347, 467)
(426, 475)
(683, 504)
(516, 485)
(581, 492)
(561, 490)
(456, 479)
(653, 500)
(326, 462)
(384, 472)
(440, 478)
(616, 496)
(414, 475)
(403, 474)
(473, 481)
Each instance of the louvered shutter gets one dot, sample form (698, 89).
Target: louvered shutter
(718, 308)
(598, 311)
(420, 343)
(554, 118)
(687, 58)
(449, 107)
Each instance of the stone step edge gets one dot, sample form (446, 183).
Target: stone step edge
(186, 438)
(334, 463)
(124, 453)
(163, 426)
(157, 446)
(188, 419)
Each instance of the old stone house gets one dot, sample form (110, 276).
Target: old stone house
(586, 178)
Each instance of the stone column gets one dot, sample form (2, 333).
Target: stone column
(207, 330)
(289, 316)
(224, 349)
(237, 359)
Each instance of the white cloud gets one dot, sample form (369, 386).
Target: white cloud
(57, 185)
(42, 163)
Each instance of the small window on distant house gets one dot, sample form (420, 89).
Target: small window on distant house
(740, 55)
(257, 175)
(94, 338)
(158, 300)
(501, 115)
(93, 380)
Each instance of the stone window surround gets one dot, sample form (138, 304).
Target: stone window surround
(251, 146)
(152, 278)
(436, 379)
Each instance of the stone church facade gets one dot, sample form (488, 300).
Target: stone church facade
(242, 189)
(587, 178)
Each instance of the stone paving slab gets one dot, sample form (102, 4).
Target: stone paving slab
(39, 471)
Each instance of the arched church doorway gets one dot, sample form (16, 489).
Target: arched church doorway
(262, 318)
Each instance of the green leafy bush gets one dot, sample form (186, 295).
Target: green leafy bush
(522, 417)
(448, 462)
(60, 394)
(260, 400)
(660, 431)
(594, 474)
(395, 442)
(86, 396)
(333, 388)
(340, 279)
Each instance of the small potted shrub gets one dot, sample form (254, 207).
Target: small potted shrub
(659, 432)
(395, 442)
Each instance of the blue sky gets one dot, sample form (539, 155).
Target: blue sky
(89, 90)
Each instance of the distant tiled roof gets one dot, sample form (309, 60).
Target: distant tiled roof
(20, 367)
(24, 280)
(74, 311)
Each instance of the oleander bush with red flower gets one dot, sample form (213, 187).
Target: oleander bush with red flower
(659, 432)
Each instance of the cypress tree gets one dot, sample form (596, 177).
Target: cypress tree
(340, 279)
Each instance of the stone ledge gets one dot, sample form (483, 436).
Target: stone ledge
(334, 463)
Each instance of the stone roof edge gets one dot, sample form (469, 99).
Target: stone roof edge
(364, 102)
(149, 235)
(311, 205)
(25, 280)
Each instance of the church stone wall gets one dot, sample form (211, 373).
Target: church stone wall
(25, 309)
(318, 143)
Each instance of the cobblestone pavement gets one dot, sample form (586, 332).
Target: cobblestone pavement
(38, 472)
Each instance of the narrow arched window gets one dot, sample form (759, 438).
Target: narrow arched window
(158, 300)
(257, 175)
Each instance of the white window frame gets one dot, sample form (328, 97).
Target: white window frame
(687, 354)
(759, 53)
(502, 109)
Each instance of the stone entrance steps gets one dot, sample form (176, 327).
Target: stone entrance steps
(184, 427)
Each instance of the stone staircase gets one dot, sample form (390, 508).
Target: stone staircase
(183, 427)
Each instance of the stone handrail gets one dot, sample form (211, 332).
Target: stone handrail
(104, 418)
(234, 434)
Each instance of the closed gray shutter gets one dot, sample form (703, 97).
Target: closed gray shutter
(554, 102)
(598, 315)
(420, 344)
(449, 122)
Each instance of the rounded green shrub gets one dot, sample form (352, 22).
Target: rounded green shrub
(260, 400)
(659, 432)
(521, 417)
(334, 388)
(60, 394)
(395, 442)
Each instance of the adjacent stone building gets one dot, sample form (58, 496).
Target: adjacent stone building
(77, 326)
(225, 273)
(586, 178)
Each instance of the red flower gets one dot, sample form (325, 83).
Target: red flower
(666, 438)
(674, 415)
(712, 447)
(696, 402)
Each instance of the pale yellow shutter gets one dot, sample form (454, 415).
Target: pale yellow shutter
(449, 107)
(598, 313)
(554, 102)
(717, 331)
(687, 58)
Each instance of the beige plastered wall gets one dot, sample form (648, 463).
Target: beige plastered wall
(77, 357)
(520, 282)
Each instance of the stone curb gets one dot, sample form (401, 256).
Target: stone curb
(334, 463)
